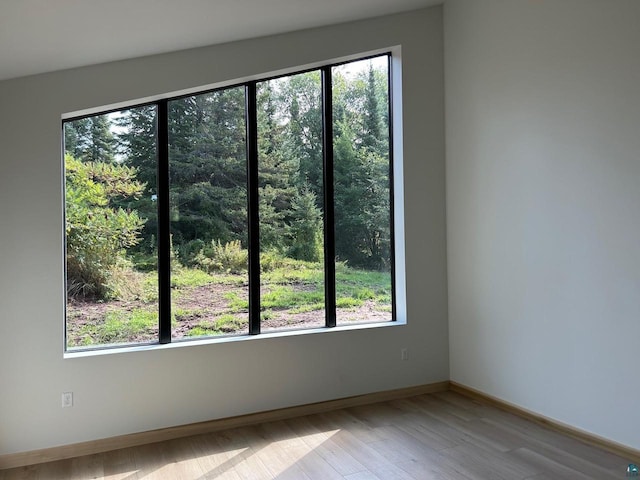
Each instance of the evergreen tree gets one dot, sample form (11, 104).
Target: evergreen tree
(306, 227)
(137, 143)
(301, 102)
(371, 137)
(137, 148)
(207, 162)
(362, 176)
(276, 171)
(90, 139)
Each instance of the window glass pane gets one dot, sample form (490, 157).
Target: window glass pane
(291, 202)
(208, 197)
(362, 191)
(111, 193)
(110, 226)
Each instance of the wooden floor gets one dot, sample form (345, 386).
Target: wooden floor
(442, 436)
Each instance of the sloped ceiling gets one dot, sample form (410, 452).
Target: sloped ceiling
(38, 36)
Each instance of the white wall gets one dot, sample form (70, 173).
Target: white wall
(130, 392)
(543, 195)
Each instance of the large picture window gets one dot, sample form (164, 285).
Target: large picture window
(259, 207)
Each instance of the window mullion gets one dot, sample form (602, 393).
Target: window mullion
(164, 232)
(252, 207)
(329, 228)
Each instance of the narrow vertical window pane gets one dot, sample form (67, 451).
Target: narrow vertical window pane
(208, 197)
(291, 202)
(110, 227)
(362, 191)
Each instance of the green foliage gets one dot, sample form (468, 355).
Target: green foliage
(112, 197)
(362, 173)
(188, 251)
(295, 287)
(120, 326)
(127, 284)
(145, 262)
(190, 277)
(236, 302)
(90, 139)
(208, 167)
(277, 268)
(98, 233)
(229, 258)
(309, 307)
(271, 260)
(282, 297)
(219, 326)
(348, 302)
(306, 227)
(180, 314)
(355, 286)
(137, 143)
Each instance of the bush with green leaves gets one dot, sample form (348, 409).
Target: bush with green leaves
(98, 233)
(218, 257)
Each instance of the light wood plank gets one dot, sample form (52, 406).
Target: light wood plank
(119, 465)
(245, 461)
(442, 436)
(564, 429)
(321, 441)
(214, 460)
(164, 434)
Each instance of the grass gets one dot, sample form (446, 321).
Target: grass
(310, 307)
(190, 277)
(180, 314)
(236, 302)
(120, 326)
(348, 302)
(289, 286)
(222, 325)
(285, 297)
(295, 271)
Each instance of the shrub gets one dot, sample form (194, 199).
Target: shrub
(97, 232)
(271, 260)
(229, 258)
(125, 283)
(189, 251)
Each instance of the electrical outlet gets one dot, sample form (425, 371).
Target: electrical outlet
(404, 354)
(67, 399)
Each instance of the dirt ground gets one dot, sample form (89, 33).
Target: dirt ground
(205, 304)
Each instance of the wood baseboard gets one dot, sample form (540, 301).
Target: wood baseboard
(631, 454)
(135, 439)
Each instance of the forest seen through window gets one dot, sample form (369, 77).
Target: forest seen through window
(111, 210)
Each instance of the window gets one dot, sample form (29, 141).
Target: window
(259, 207)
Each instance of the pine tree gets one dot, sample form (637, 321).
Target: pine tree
(306, 227)
(137, 143)
(371, 116)
(361, 163)
(276, 171)
(207, 162)
(90, 139)
(137, 148)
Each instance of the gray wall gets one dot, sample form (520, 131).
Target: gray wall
(543, 170)
(119, 393)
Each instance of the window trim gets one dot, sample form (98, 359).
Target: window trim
(164, 247)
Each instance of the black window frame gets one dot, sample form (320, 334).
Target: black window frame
(163, 213)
